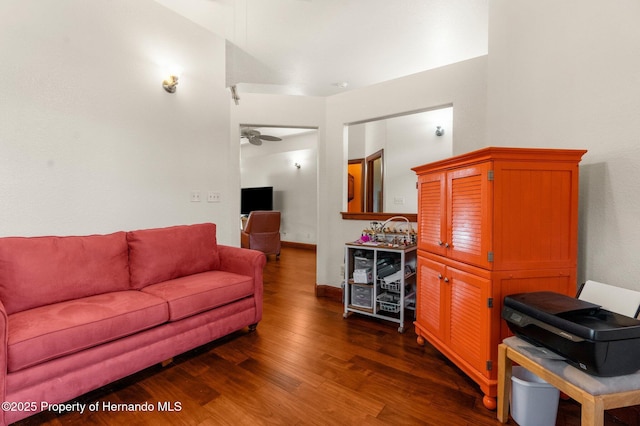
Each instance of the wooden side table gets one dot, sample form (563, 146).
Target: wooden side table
(596, 394)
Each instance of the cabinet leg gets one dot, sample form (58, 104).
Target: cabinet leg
(420, 340)
(489, 402)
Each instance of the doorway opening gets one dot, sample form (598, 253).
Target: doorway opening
(290, 166)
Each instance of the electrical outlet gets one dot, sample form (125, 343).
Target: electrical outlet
(398, 200)
(213, 197)
(195, 196)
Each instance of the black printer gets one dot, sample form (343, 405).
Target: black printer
(600, 342)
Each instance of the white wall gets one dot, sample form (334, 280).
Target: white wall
(284, 111)
(294, 189)
(408, 141)
(462, 85)
(566, 75)
(89, 140)
(412, 141)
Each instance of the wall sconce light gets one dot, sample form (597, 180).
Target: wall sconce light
(439, 131)
(297, 165)
(170, 83)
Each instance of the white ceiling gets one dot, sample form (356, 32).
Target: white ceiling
(309, 47)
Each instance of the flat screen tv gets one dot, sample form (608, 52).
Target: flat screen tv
(260, 198)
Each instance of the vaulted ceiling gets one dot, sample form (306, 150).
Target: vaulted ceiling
(323, 47)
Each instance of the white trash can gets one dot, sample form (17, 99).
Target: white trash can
(534, 402)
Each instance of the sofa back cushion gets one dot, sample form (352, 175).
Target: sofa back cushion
(161, 254)
(37, 271)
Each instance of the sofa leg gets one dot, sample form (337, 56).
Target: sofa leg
(166, 362)
(252, 327)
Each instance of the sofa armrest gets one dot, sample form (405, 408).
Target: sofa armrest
(4, 337)
(246, 262)
(242, 261)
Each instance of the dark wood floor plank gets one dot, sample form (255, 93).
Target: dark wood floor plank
(341, 404)
(224, 411)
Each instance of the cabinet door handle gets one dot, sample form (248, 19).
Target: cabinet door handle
(440, 243)
(439, 276)
(446, 245)
(446, 280)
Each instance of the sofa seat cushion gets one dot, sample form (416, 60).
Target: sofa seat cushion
(161, 254)
(47, 332)
(197, 293)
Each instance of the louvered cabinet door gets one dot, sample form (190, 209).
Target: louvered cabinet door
(468, 328)
(469, 213)
(432, 217)
(429, 297)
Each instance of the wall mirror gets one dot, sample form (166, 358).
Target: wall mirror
(381, 153)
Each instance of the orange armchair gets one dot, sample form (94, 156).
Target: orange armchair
(262, 232)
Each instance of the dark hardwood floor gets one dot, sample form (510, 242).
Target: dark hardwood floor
(304, 364)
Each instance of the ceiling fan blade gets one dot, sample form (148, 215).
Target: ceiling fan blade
(270, 138)
(255, 140)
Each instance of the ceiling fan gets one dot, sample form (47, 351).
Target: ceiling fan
(255, 137)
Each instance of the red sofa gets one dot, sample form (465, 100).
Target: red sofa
(79, 312)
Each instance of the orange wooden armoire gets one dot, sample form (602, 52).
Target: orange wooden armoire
(492, 222)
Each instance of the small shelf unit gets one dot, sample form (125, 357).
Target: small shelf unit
(380, 281)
